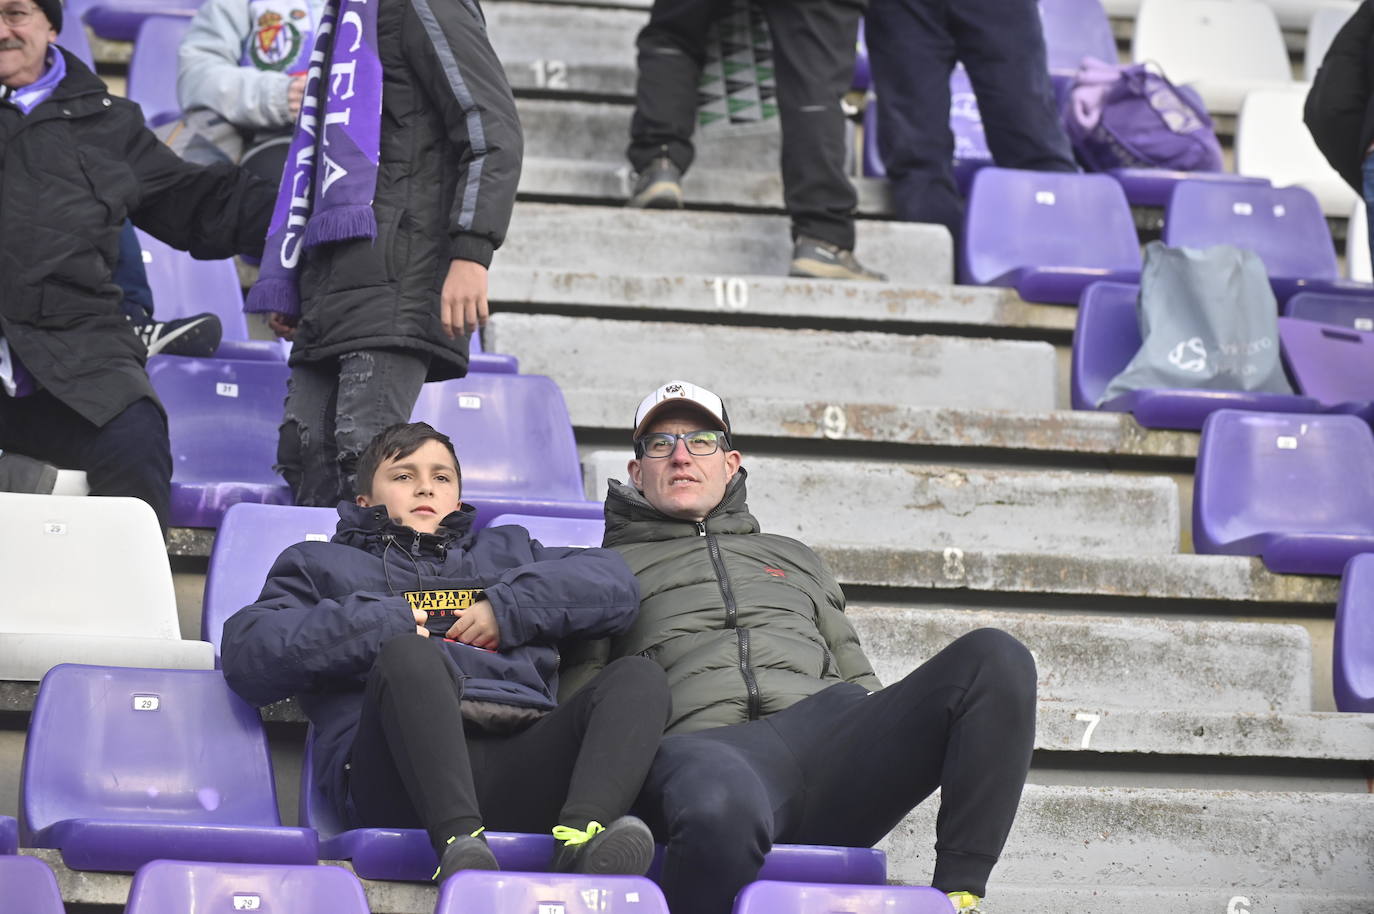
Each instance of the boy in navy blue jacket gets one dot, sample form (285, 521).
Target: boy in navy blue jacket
(426, 657)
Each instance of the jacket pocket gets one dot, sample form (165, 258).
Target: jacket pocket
(357, 264)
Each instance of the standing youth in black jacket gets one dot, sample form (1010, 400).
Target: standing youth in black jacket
(458, 734)
(75, 162)
(379, 317)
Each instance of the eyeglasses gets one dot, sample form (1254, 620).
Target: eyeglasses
(16, 16)
(699, 443)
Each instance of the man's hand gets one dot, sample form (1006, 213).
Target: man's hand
(463, 304)
(420, 617)
(477, 626)
(281, 325)
(295, 94)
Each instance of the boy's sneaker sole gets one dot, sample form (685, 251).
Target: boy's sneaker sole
(809, 268)
(625, 848)
(659, 195)
(465, 853)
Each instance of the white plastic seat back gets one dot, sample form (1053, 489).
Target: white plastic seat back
(1222, 48)
(1272, 142)
(1357, 259)
(1326, 22)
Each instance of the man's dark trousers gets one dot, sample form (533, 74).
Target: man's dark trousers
(913, 46)
(129, 455)
(813, 58)
(844, 767)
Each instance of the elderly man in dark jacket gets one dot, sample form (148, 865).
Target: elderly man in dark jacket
(74, 162)
(780, 731)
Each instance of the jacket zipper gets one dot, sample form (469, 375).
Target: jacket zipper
(746, 670)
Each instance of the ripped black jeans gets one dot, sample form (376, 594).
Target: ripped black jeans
(333, 409)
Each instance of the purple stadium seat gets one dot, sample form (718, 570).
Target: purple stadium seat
(183, 286)
(1353, 311)
(73, 38)
(766, 897)
(1048, 235)
(1075, 29)
(173, 887)
(1332, 365)
(863, 75)
(9, 835)
(29, 887)
(153, 68)
(1283, 225)
(970, 142)
(479, 360)
(223, 416)
(1296, 489)
(1154, 186)
(514, 442)
(1105, 340)
(249, 539)
(401, 854)
(1352, 655)
(526, 893)
(557, 531)
(119, 20)
(123, 766)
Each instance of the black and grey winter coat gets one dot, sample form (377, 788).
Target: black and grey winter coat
(450, 157)
(1340, 106)
(327, 609)
(744, 623)
(71, 171)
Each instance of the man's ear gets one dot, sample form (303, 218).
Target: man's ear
(732, 462)
(363, 501)
(633, 469)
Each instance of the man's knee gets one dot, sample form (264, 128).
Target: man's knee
(135, 437)
(1000, 656)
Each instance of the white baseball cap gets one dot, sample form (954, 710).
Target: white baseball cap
(680, 393)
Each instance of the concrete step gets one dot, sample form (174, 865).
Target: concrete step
(1234, 842)
(836, 502)
(575, 49)
(597, 239)
(1224, 583)
(773, 363)
(1115, 662)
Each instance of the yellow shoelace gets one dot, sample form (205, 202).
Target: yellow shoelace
(572, 836)
(964, 901)
(447, 843)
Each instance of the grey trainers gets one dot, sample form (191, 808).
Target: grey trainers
(818, 259)
(658, 187)
(197, 336)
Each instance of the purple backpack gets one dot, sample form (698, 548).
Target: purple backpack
(1132, 117)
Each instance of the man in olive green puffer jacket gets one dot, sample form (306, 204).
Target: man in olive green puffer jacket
(780, 732)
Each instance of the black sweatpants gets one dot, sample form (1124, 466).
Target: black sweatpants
(913, 46)
(415, 765)
(813, 58)
(129, 455)
(844, 767)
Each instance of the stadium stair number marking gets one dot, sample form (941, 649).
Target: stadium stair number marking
(1091, 720)
(833, 423)
(731, 292)
(1239, 904)
(550, 74)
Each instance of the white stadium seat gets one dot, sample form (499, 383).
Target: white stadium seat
(1272, 142)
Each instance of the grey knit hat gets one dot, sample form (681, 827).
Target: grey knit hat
(53, 10)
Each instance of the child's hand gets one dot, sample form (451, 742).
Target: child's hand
(477, 626)
(420, 617)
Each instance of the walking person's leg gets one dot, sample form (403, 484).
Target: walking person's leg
(377, 389)
(306, 455)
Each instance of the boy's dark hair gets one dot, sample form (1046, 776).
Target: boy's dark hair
(397, 441)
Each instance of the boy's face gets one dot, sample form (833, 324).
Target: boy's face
(418, 490)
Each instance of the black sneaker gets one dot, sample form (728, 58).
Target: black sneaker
(196, 336)
(624, 848)
(467, 852)
(659, 186)
(818, 259)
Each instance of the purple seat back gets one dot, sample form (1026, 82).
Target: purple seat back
(1048, 234)
(1295, 489)
(183, 286)
(512, 435)
(249, 539)
(119, 20)
(173, 747)
(1283, 225)
(767, 897)
(73, 38)
(153, 70)
(1075, 29)
(1154, 186)
(174, 887)
(28, 887)
(1352, 311)
(557, 531)
(965, 123)
(9, 835)
(1352, 655)
(1105, 339)
(1331, 364)
(222, 416)
(525, 893)
(863, 75)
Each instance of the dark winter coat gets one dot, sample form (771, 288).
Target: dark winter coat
(71, 171)
(1340, 106)
(744, 623)
(327, 609)
(449, 162)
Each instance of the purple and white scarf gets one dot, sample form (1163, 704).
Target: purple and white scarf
(26, 98)
(331, 168)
